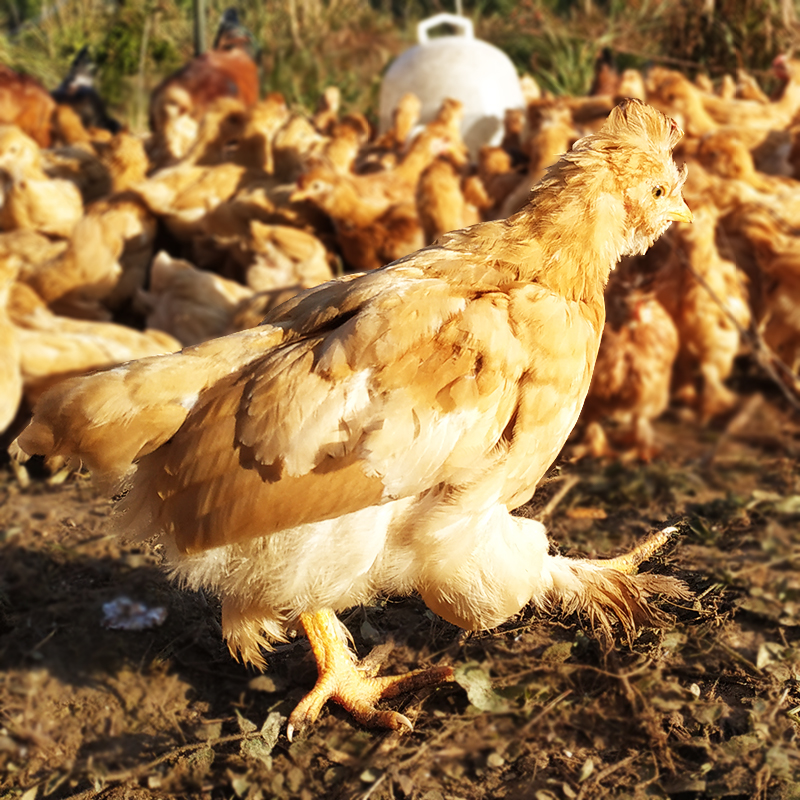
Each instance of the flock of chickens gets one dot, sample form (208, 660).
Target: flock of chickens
(373, 436)
(116, 246)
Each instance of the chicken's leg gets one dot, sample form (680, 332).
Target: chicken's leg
(341, 680)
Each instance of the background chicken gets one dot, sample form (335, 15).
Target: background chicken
(53, 347)
(181, 100)
(26, 103)
(10, 373)
(762, 128)
(728, 157)
(375, 214)
(104, 262)
(279, 256)
(372, 436)
(78, 91)
(30, 198)
(440, 200)
(552, 132)
(770, 247)
(707, 296)
(631, 381)
(191, 304)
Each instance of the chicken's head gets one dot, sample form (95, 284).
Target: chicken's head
(637, 141)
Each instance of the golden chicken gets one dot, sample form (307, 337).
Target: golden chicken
(374, 433)
(631, 382)
(10, 372)
(28, 197)
(707, 296)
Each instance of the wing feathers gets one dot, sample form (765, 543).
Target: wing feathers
(407, 383)
(208, 489)
(410, 392)
(114, 417)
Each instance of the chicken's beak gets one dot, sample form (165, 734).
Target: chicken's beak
(681, 213)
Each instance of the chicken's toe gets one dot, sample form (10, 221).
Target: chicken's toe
(629, 562)
(340, 679)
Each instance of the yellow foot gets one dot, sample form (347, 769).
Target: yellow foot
(342, 681)
(629, 563)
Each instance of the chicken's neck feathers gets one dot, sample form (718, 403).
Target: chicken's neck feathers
(567, 239)
(579, 238)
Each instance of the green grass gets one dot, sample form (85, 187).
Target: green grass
(306, 45)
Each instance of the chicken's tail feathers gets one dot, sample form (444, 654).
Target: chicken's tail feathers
(109, 419)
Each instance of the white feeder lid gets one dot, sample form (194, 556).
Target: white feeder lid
(460, 67)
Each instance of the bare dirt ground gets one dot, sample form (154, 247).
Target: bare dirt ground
(707, 707)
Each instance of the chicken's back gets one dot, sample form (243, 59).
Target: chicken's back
(26, 103)
(208, 77)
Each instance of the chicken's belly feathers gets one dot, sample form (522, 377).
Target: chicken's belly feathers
(373, 435)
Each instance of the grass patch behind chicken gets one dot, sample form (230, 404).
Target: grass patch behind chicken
(349, 43)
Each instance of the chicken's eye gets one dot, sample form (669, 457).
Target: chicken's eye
(658, 191)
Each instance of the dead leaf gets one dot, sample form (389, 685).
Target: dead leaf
(245, 725)
(586, 770)
(586, 512)
(271, 729)
(738, 746)
(267, 683)
(478, 685)
(257, 750)
(557, 653)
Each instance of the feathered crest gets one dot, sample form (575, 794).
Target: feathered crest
(631, 126)
(642, 126)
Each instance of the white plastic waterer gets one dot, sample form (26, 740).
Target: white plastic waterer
(461, 67)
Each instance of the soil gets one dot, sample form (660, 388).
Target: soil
(544, 707)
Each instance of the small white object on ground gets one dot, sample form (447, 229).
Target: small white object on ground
(124, 614)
